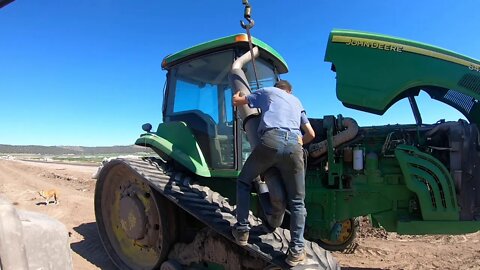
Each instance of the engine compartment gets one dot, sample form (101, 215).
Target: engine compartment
(455, 144)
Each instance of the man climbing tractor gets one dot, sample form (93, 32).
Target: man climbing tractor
(280, 148)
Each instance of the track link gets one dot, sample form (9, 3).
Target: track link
(215, 211)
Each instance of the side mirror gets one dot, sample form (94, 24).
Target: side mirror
(147, 127)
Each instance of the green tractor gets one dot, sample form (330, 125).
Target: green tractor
(411, 179)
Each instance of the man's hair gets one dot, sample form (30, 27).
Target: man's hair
(284, 85)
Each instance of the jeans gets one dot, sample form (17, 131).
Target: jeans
(282, 150)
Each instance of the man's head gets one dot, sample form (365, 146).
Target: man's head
(284, 85)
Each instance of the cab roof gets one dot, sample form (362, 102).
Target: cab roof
(238, 40)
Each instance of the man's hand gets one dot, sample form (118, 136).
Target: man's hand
(300, 140)
(239, 100)
(309, 133)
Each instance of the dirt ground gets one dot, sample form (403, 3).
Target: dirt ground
(375, 249)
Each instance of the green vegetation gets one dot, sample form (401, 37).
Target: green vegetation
(75, 154)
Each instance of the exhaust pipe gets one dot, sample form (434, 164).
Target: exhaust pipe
(240, 84)
(319, 149)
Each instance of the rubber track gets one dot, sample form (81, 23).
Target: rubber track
(215, 211)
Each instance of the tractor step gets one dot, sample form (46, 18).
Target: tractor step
(215, 211)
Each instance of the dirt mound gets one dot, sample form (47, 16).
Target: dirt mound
(366, 230)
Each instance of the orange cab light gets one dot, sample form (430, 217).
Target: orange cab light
(164, 63)
(241, 38)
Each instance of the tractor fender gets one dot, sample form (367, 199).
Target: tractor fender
(175, 140)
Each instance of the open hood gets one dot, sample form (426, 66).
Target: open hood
(375, 71)
(5, 2)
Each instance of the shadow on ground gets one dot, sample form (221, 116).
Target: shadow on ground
(91, 248)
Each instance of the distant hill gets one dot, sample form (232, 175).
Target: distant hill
(75, 150)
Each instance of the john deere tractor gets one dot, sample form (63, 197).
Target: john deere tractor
(411, 179)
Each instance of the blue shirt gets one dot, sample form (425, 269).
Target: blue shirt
(279, 110)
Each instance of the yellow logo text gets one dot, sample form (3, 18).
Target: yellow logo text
(375, 45)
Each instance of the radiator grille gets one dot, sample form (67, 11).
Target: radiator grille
(461, 100)
(471, 82)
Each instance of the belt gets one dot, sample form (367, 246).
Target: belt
(286, 134)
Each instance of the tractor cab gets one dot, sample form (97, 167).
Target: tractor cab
(199, 94)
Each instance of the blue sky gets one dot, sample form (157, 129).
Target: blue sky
(88, 72)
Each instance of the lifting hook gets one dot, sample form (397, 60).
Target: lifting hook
(247, 16)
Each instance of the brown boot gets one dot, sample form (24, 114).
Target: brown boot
(295, 258)
(241, 238)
